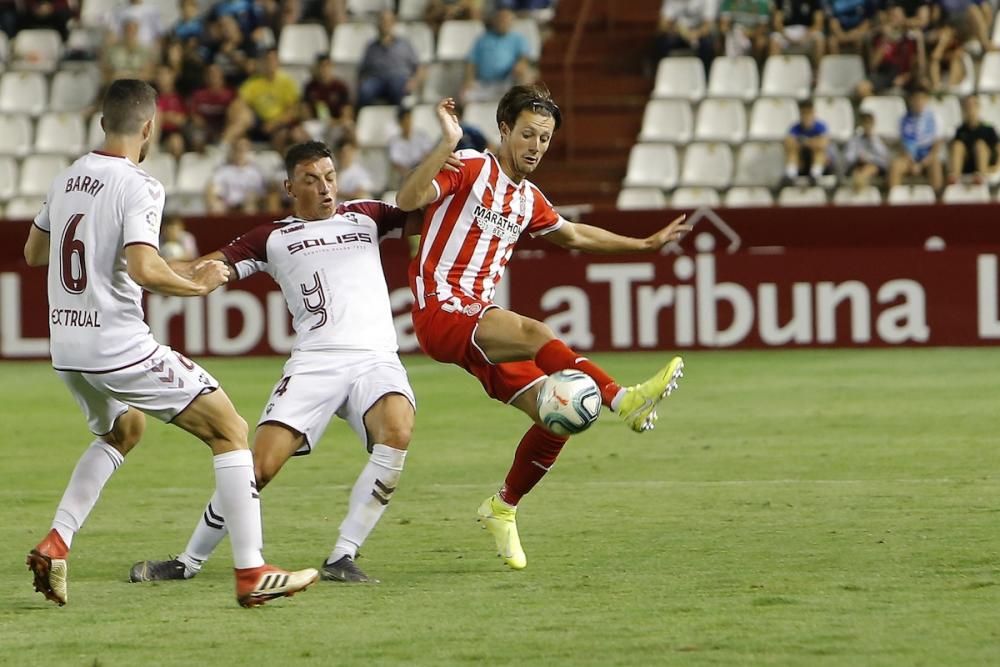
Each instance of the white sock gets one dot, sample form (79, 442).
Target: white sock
(791, 171)
(617, 400)
(211, 529)
(369, 498)
(238, 501)
(816, 170)
(89, 477)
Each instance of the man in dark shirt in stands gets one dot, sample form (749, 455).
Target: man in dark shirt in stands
(974, 149)
(798, 28)
(850, 24)
(390, 69)
(329, 100)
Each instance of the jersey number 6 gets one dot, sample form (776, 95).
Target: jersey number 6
(74, 284)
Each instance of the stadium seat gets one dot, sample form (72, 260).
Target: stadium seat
(529, 28)
(483, 116)
(667, 120)
(271, 163)
(37, 49)
(443, 80)
(425, 120)
(376, 124)
(376, 161)
(4, 50)
(848, 196)
(16, 134)
(838, 114)
(194, 172)
(302, 74)
(94, 13)
(73, 90)
(37, 172)
(631, 199)
(8, 177)
(967, 86)
(721, 120)
(350, 41)
(888, 111)
(772, 117)
(796, 196)
(708, 165)
(653, 166)
(963, 193)
(695, 198)
(185, 204)
(455, 39)
(989, 109)
(95, 135)
(948, 112)
(162, 167)
(787, 76)
(906, 195)
(421, 37)
(23, 92)
(680, 77)
(60, 134)
(369, 7)
(23, 207)
(760, 164)
(748, 197)
(989, 73)
(169, 12)
(839, 75)
(300, 43)
(734, 77)
(412, 10)
(389, 197)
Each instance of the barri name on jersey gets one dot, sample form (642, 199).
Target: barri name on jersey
(86, 184)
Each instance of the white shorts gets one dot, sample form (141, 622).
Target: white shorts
(161, 385)
(315, 386)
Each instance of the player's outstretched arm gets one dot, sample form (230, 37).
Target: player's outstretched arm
(36, 248)
(417, 189)
(588, 238)
(185, 268)
(151, 272)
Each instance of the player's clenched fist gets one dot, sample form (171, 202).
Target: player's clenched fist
(210, 274)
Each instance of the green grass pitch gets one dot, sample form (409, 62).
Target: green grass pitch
(791, 508)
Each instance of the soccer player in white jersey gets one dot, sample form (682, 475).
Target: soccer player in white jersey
(102, 216)
(326, 260)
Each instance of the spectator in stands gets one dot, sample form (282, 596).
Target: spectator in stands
(917, 14)
(249, 14)
(267, 105)
(744, 26)
(897, 57)
(330, 13)
(233, 52)
(172, 112)
(959, 21)
(850, 22)
(188, 63)
(974, 149)
(798, 28)
(209, 106)
(472, 136)
(238, 186)
(866, 155)
(390, 69)
(439, 11)
(353, 180)
(191, 24)
(498, 59)
(147, 17)
(807, 146)
(8, 17)
(921, 147)
(539, 10)
(176, 243)
(328, 99)
(410, 146)
(128, 58)
(686, 25)
(47, 14)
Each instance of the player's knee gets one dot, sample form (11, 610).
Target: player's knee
(127, 431)
(263, 473)
(396, 434)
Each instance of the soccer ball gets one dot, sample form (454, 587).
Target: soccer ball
(569, 402)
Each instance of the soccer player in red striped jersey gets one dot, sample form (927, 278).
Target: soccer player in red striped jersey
(473, 218)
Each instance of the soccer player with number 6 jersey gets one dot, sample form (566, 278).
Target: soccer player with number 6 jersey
(473, 218)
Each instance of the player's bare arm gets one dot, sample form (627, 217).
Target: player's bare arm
(417, 189)
(151, 272)
(187, 268)
(588, 238)
(36, 248)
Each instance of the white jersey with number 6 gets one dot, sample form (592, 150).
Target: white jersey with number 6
(95, 208)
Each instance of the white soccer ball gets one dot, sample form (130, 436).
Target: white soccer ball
(569, 402)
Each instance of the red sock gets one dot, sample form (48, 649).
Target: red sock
(555, 356)
(535, 454)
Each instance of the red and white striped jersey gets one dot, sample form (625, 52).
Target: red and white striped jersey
(471, 227)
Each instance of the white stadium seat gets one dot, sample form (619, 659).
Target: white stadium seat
(272, 164)
(667, 120)
(350, 41)
(300, 43)
(688, 197)
(443, 80)
(989, 73)
(906, 195)
(483, 116)
(652, 165)
(967, 85)
(60, 134)
(4, 50)
(838, 114)
(796, 196)
(455, 39)
(376, 124)
(23, 92)
(37, 172)
(989, 109)
(529, 28)
(680, 77)
(707, 165)
(389, 197)
(162, 167)
(962, 193)
(170, 12)
(73, 90)
(721, 120)
(748, 197)
(839, 75)
(760, 164)
(24, 207)
(772, 117)
(194, 172)
(16, 134)
(37, 49)
(948, 112)
(412, 10)
(8, 177)
(94, 13)
(787, 76)
(362, 7)
(424, 119)
(631, 199)
(734, 77)
(95, 135)
(888, 111)
(420, 37)
(848, 196)
(376, 162)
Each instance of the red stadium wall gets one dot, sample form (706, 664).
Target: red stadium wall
(835, 277)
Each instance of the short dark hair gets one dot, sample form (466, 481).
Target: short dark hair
(536, 98)
(128, 104)
(308, 151)
(806, 105)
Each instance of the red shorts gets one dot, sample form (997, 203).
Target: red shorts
(445, 331)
